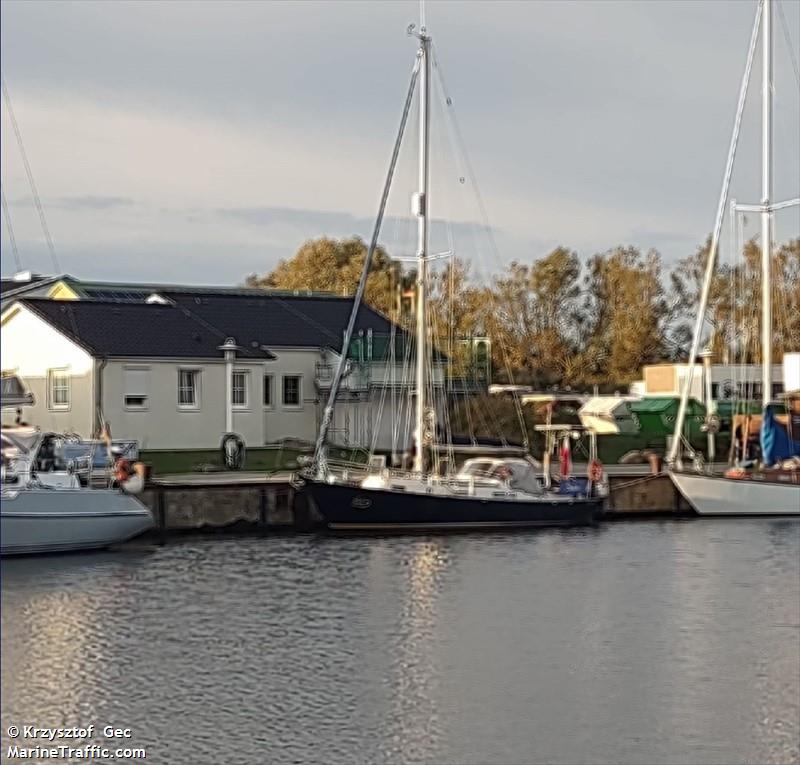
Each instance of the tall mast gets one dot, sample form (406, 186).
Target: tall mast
(766, 201)
(421, 211)
(711, 260)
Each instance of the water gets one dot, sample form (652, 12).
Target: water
(675, 642)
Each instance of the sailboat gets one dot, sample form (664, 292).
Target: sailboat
(381, 499)
(773, 487)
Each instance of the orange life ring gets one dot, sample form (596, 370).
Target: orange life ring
(122, 470)
(595, 471)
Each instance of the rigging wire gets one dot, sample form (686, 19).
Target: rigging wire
(10, 228)
(785, 27)
(36, 199)
(319, 455)
(489, 235)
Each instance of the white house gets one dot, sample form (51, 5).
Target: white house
(177, 368)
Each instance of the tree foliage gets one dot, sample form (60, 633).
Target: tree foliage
(331, 265)
(556, 321)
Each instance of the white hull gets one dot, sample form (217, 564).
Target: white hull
(716, 495)
(58, 520)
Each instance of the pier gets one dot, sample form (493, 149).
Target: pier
(252, 502)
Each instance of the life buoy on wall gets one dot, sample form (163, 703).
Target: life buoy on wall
(233, 451)
(595, 471)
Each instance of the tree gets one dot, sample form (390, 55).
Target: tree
(532, 317)
(625, 314)
(331, 265)
(733, 315)
(456, 312)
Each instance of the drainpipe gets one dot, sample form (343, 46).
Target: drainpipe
(98, 396)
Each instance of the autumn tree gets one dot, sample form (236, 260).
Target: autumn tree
(331, 265)
(733, 315)
(625, 314)
(531, 317)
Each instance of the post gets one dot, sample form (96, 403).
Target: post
(229, 349)
(161, 505)
(766, 200)
(421, 211)
(710, 407)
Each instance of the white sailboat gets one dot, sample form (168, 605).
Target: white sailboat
(773, 487)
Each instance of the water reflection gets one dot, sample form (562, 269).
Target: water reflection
(653, 642)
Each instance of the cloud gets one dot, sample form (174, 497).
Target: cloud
(219, 136)
(86, 202)
(93, 202)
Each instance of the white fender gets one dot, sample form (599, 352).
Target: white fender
(135, 484)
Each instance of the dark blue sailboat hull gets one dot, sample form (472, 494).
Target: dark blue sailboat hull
(349, 507)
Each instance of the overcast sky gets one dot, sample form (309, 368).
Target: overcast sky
(200, 142)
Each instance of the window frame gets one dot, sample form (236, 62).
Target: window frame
(246, 376)
(268, 384)
(135, 407)
(299, 378)
(197, 375)
(52, 405)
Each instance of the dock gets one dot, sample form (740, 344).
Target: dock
(255, 502)
(231, 501)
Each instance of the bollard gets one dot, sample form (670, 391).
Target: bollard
(262, 508)
(162, 514)
(655, 462)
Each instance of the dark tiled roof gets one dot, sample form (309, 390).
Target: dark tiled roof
(281, 320)
(139, 329)
(132, 292)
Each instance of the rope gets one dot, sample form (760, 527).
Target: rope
(36, 200)
(636, 481)
(786, 34)
(486, 227)
(327, 415)
(10, 228)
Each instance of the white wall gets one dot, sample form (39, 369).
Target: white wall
(722, 375)
(163, 423)
(30, 347)
(281, 421)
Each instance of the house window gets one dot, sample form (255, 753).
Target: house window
(291, 390)
(239, 388)
(136, 382)
(58, 388)
(268, 383)
(189, 388)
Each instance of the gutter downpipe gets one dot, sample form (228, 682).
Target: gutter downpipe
(98, 397)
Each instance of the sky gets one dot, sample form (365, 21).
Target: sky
(200, 142)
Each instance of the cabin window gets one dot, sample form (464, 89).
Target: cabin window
(268, 383)
(239, 388)
(189, 388)
(291, 390)
(58, 388)
(136, 382)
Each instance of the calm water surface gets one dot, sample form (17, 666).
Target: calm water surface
(674, 642)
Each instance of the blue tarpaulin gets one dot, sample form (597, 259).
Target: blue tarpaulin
(776, 441)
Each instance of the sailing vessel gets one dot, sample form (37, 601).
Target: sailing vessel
(505, 494)
(772, 487)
